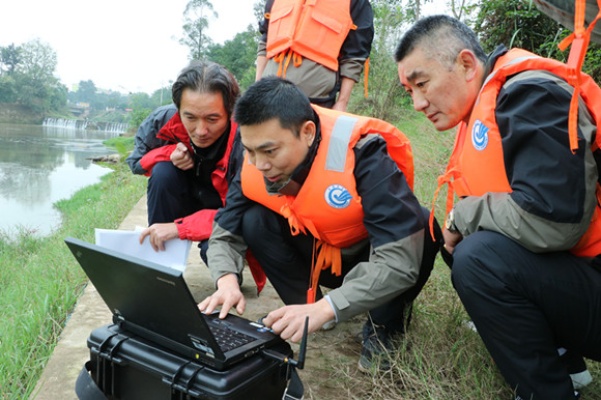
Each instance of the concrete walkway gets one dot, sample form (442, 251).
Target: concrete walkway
(58, 379)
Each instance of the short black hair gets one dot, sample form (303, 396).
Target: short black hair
(441, 37)
(274, 98)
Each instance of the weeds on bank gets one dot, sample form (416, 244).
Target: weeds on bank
(40, 280)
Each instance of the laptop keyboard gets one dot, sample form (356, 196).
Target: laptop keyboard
(227, 338)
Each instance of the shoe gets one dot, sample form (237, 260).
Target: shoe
(377, 349)
(577, 369)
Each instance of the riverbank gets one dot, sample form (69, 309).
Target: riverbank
(17, 114)
(71, 352)
(40, 280)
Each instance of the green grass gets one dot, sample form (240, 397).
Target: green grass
(123, 144)
(40, 280)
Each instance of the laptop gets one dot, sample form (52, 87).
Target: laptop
(154, 302)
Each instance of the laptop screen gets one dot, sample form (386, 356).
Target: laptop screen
(155, 302)
(140, 292)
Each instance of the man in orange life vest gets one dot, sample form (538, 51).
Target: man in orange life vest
(521, 236)
(323, 199)
(321, 46)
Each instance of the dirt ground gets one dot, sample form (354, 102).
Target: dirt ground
(331, 357)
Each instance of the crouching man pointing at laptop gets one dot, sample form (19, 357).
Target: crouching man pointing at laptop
(323, 198)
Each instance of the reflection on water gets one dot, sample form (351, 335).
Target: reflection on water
(41, 165)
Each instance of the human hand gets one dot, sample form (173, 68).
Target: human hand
(340, 105)
(158, 234)
(451, 239)
(228, 295)
(289, 321)
(181, 158)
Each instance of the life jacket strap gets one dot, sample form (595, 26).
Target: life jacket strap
(283, 59)
(579, 40)
(324, 256)
(445, 179)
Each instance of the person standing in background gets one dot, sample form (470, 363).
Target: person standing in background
(321, 46)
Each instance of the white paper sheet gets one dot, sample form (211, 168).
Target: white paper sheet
(128, 242)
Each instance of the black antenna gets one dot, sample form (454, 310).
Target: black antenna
(295, 388)
(302, 352)
(300, 363)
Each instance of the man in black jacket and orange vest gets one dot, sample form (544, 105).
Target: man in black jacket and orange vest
(323, 199)
(321, 46)
(526, 234)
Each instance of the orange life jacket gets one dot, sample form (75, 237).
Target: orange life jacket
(477, 165)
(315, 29)
(328, 205)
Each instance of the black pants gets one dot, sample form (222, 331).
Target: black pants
(169, 196)
(287, 261)
(525, 306)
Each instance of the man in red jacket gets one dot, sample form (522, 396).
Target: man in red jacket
(186, 149)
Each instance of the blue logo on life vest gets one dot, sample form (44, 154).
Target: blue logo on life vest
(337, 196)
(479, 135)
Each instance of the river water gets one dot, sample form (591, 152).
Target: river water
(40, 165)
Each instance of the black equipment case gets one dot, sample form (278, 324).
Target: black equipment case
(123, 366)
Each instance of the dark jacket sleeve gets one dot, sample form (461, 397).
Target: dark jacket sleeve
(358, 42)
(357, 45)
(227, 247)
(146, 137)
(264, 24)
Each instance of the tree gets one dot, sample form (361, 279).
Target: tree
(196, 23)
(38, 61)
(57, 97)
(162, 96)
(390, 16)
(86, 92)
(259, 10)
(10, 57)
(238, 55)
(463, 9)
(37, 87)
(141, 101)
(414, 8)
(8, 89)
(514, 23)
